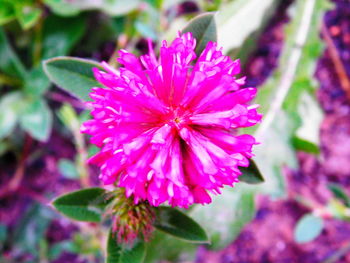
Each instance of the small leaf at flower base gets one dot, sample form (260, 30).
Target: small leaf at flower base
(72, 74)
(251, 174)
(203, 28)
(339, 192)
(176, 223)
(83, 205)
(122, 253)
(308, 228)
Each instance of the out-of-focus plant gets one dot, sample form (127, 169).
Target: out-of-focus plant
(25, 104)
(287, 101)
(78, 168)
(288, 98)
(310, 226)
(26, 12)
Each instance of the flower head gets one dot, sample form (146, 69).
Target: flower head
(129, 220)
(166, 126)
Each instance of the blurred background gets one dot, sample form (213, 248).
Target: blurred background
(297, 52)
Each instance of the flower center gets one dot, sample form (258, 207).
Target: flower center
(177, 120)
(176, 117)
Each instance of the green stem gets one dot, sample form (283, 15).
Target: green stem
(81, 158)
(286, 80)
(37, 47)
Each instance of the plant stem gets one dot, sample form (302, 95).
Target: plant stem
(56, 96)
(337, 61)
(338, 254)
(37, 47)
(291, 67)
(82, 158)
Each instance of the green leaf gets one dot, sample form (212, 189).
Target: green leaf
(203, 28)
(339, 192)
(308, 228)
(147, 23)
(72, 74)
(58, 248)
(164, 247)
(239, 19)
(83, 205)
(58, 40)
(227, 214)
(3, 233)
(36, 83)
(145, 30)
(9, 62)
(307, 136)
(62, 8)
(10, 107)
(338, 209)
(37, 120)
(119, 253)
(7, 12)
(251, 174)
(270, 160)
(305, 146)
(27, 14)
(68, 169)
(118, 7)
(31, 229)
(178, 224)
(111, 7)
(5, 146)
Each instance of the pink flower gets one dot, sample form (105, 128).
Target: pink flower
(166, 127)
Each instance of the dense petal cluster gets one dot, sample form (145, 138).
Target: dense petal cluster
(166, 126)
